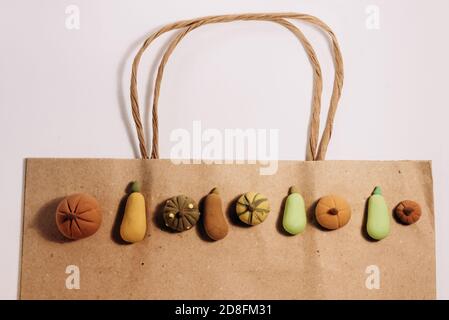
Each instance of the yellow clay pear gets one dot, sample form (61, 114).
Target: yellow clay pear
(134, 223)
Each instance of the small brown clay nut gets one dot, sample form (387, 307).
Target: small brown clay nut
(408, 211)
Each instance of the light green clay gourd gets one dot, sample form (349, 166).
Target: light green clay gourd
(378, 223)
(295, 218)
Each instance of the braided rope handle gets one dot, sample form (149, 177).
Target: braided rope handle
(314, 152)
(317, 85)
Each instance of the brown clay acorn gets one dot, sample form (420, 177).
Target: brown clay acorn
(332, 212)
(78, 216)
(408, 211)
(214, 221)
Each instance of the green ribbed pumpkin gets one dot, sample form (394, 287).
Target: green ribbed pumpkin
(252, 208)
(181, 213)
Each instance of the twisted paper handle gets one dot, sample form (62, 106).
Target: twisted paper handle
(314, 152)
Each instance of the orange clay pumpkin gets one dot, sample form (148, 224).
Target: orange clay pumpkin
(332, 212)
(78, 216)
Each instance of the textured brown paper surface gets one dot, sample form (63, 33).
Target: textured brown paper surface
(259, 262)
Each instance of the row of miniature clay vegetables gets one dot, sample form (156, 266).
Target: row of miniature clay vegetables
(182, 213)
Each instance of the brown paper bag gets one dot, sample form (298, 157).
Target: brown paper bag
(259, 262)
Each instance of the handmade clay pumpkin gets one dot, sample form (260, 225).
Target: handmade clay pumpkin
(408, 211)
(181, 213)
(252, 208)
(332, 212)
(78, 216)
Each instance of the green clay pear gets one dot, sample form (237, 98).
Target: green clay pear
(378, 222)
(294, 220)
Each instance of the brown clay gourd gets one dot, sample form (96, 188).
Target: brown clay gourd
(332, 212)
(78, 216)
(214, 221)
(408, 211)
(181, 213)
(252, 208)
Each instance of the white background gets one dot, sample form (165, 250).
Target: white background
(64, 93)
